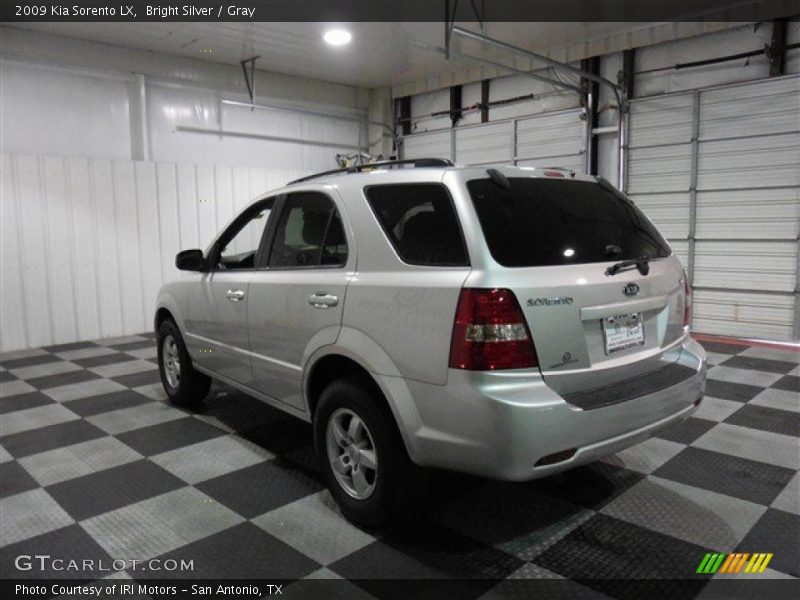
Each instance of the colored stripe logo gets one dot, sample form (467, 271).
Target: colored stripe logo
(738, 562)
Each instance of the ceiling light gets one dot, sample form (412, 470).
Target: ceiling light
(337, 37)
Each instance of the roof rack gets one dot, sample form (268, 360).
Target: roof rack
(414, 162)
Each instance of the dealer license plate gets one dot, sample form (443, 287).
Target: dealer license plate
(622, 332)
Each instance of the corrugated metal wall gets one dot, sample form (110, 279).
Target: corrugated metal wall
(555, 139)
(718, 170)
(86, 243)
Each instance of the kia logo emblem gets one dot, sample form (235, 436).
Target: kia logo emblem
(630, 289)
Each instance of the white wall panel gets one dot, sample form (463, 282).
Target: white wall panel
(60, 247)
(752, 162)
(746, 265)
(49, 110)
(661, 120)
(490, 143)
(669, 212)
(86, 263)
(757, 108)
(86, 243)
(743, 314)
(747, 215)
(657, 169)
(552, 140)
(427, 145)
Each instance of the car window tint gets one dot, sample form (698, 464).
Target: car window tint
(243, 240)
(309, 233)
(420, 222)
(543, 222)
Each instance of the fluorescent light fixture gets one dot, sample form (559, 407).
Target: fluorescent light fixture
(337, 37)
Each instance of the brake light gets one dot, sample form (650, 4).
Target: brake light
(687, 302)
(490, 332)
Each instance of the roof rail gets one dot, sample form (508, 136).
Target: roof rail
(414, 162)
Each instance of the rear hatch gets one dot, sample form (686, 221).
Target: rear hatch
(599, 337)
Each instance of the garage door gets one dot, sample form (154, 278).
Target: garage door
(555, 139)
(718, 170)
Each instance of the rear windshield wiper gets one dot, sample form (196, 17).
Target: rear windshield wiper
(642, 263)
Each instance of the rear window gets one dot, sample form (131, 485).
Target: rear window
(545, 222)
(420, 222)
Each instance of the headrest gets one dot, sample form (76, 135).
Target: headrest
(422, 222)
(314, 227)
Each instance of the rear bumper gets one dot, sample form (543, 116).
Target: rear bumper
(501, 424)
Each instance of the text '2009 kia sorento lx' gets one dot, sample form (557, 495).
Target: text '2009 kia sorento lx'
(509, 323)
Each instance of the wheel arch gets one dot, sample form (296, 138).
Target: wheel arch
(335, 361)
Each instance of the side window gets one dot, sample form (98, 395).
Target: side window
(240, 243)
(421, 223)
(309, 233)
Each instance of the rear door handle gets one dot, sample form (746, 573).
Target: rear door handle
(235, 295)
(323, 300)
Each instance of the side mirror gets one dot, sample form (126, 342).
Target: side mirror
(190, 260)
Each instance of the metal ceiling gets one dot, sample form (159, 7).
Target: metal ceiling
(381, 54)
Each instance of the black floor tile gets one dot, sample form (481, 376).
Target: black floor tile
(721, 348)
(759, 364)
(732, 391)
(626, 561)
(103, 359)
(778, 532)
(138, 379)
(14, 479)
(72, 346)
(767, 419)
(425, 550)
(31, 361)
(516, 516)
(94, 405)
(591, 486)
(23, 401)
(7, 376)
(252, 491)
(790, 383)
(244, 413)
(70, 543)
(133, 346)
(280, 435)
(170, 435)
(726, 474)
(241, 552)
(90, 495)
(34, 441)
(686, 431)
(59, 379)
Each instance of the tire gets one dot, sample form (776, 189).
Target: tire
(394, 488)
(184, 385)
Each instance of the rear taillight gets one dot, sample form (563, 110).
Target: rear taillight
(490, 332)
(687, 302)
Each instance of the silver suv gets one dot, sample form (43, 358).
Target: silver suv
(508, 322)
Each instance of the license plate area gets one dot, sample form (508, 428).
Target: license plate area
(622, 332)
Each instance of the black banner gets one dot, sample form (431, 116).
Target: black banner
(396, 10)
(400, 589)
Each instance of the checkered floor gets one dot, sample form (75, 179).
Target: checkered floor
(95, 465)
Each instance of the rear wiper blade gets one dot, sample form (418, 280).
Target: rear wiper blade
(642, 263)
